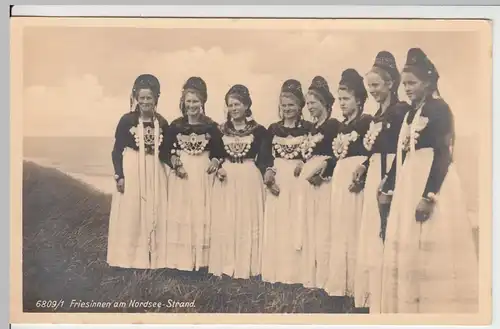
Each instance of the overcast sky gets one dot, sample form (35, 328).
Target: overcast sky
(77, 80)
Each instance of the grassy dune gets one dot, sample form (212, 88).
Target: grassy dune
(65, 226)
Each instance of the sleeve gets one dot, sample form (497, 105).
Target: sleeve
(396, 123)
(331, 162)
(215, 144)
(390, 181)
(166, 145)
(265, 157)
(118, 147)
(442, 137)
(364, 126)
(366, 163)
(169, 146)
(364, 129)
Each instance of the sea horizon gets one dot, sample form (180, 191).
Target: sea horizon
(88, 159)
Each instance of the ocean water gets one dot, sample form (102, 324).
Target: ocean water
(89, 159)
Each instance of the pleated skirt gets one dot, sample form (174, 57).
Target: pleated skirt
(237, 221)
(429, 267)
(314, 214)
(346, 210)
(135, 241)
(368, 275)
(188, 215)
(281, 250)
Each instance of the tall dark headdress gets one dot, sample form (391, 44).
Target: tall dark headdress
(320, 87)
(198, 86)
(419, 64)
(386, 61)
(294, 87)
(145, 81)
(242, 93)
(351, 80)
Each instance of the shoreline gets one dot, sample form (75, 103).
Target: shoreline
(106, 184)
(101, 183)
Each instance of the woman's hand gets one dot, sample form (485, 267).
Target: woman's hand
(269, 177)
(318, 171)
(356, 187)
(214, 165)
(221, 174)
(316, 180)
(120, 185)
(384, 199)
(357, 184)
(424, 210)
(274, 188)
(181, 172)
(176, 161)
(298, 169)
(358, 173)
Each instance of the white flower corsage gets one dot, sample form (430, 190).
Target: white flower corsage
(340, 144)
(412, 132)
(372, 134)
(310, 143)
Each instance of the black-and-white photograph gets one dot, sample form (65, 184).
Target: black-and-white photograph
(276, 166)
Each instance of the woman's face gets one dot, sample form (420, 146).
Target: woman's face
(192, 104)
(415, 88)
(146, 100)
(289, 107)
(236, 109)
(378, 88)
(348, 103)
(315, 107)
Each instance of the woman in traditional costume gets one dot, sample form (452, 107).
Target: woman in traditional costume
(315, 192)
(139, 203)
(347, 196)
(380, 141)
(196, 149)
(238, 195)
(282, 157)
(430, 264)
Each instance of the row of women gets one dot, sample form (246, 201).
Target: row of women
(368, 207)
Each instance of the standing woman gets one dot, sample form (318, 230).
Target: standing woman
(314, 192)
(381, 142)
(430, 265)
(347, 196)
(196, 148)
(283, 161)
(238, 195)
(141, 180)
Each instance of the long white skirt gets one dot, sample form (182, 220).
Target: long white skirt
(314, 212)
(368, 276)
(428, 267)
(281, 254)
(237, 220)
(346, 208)
(129, 235)
(188, 214)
